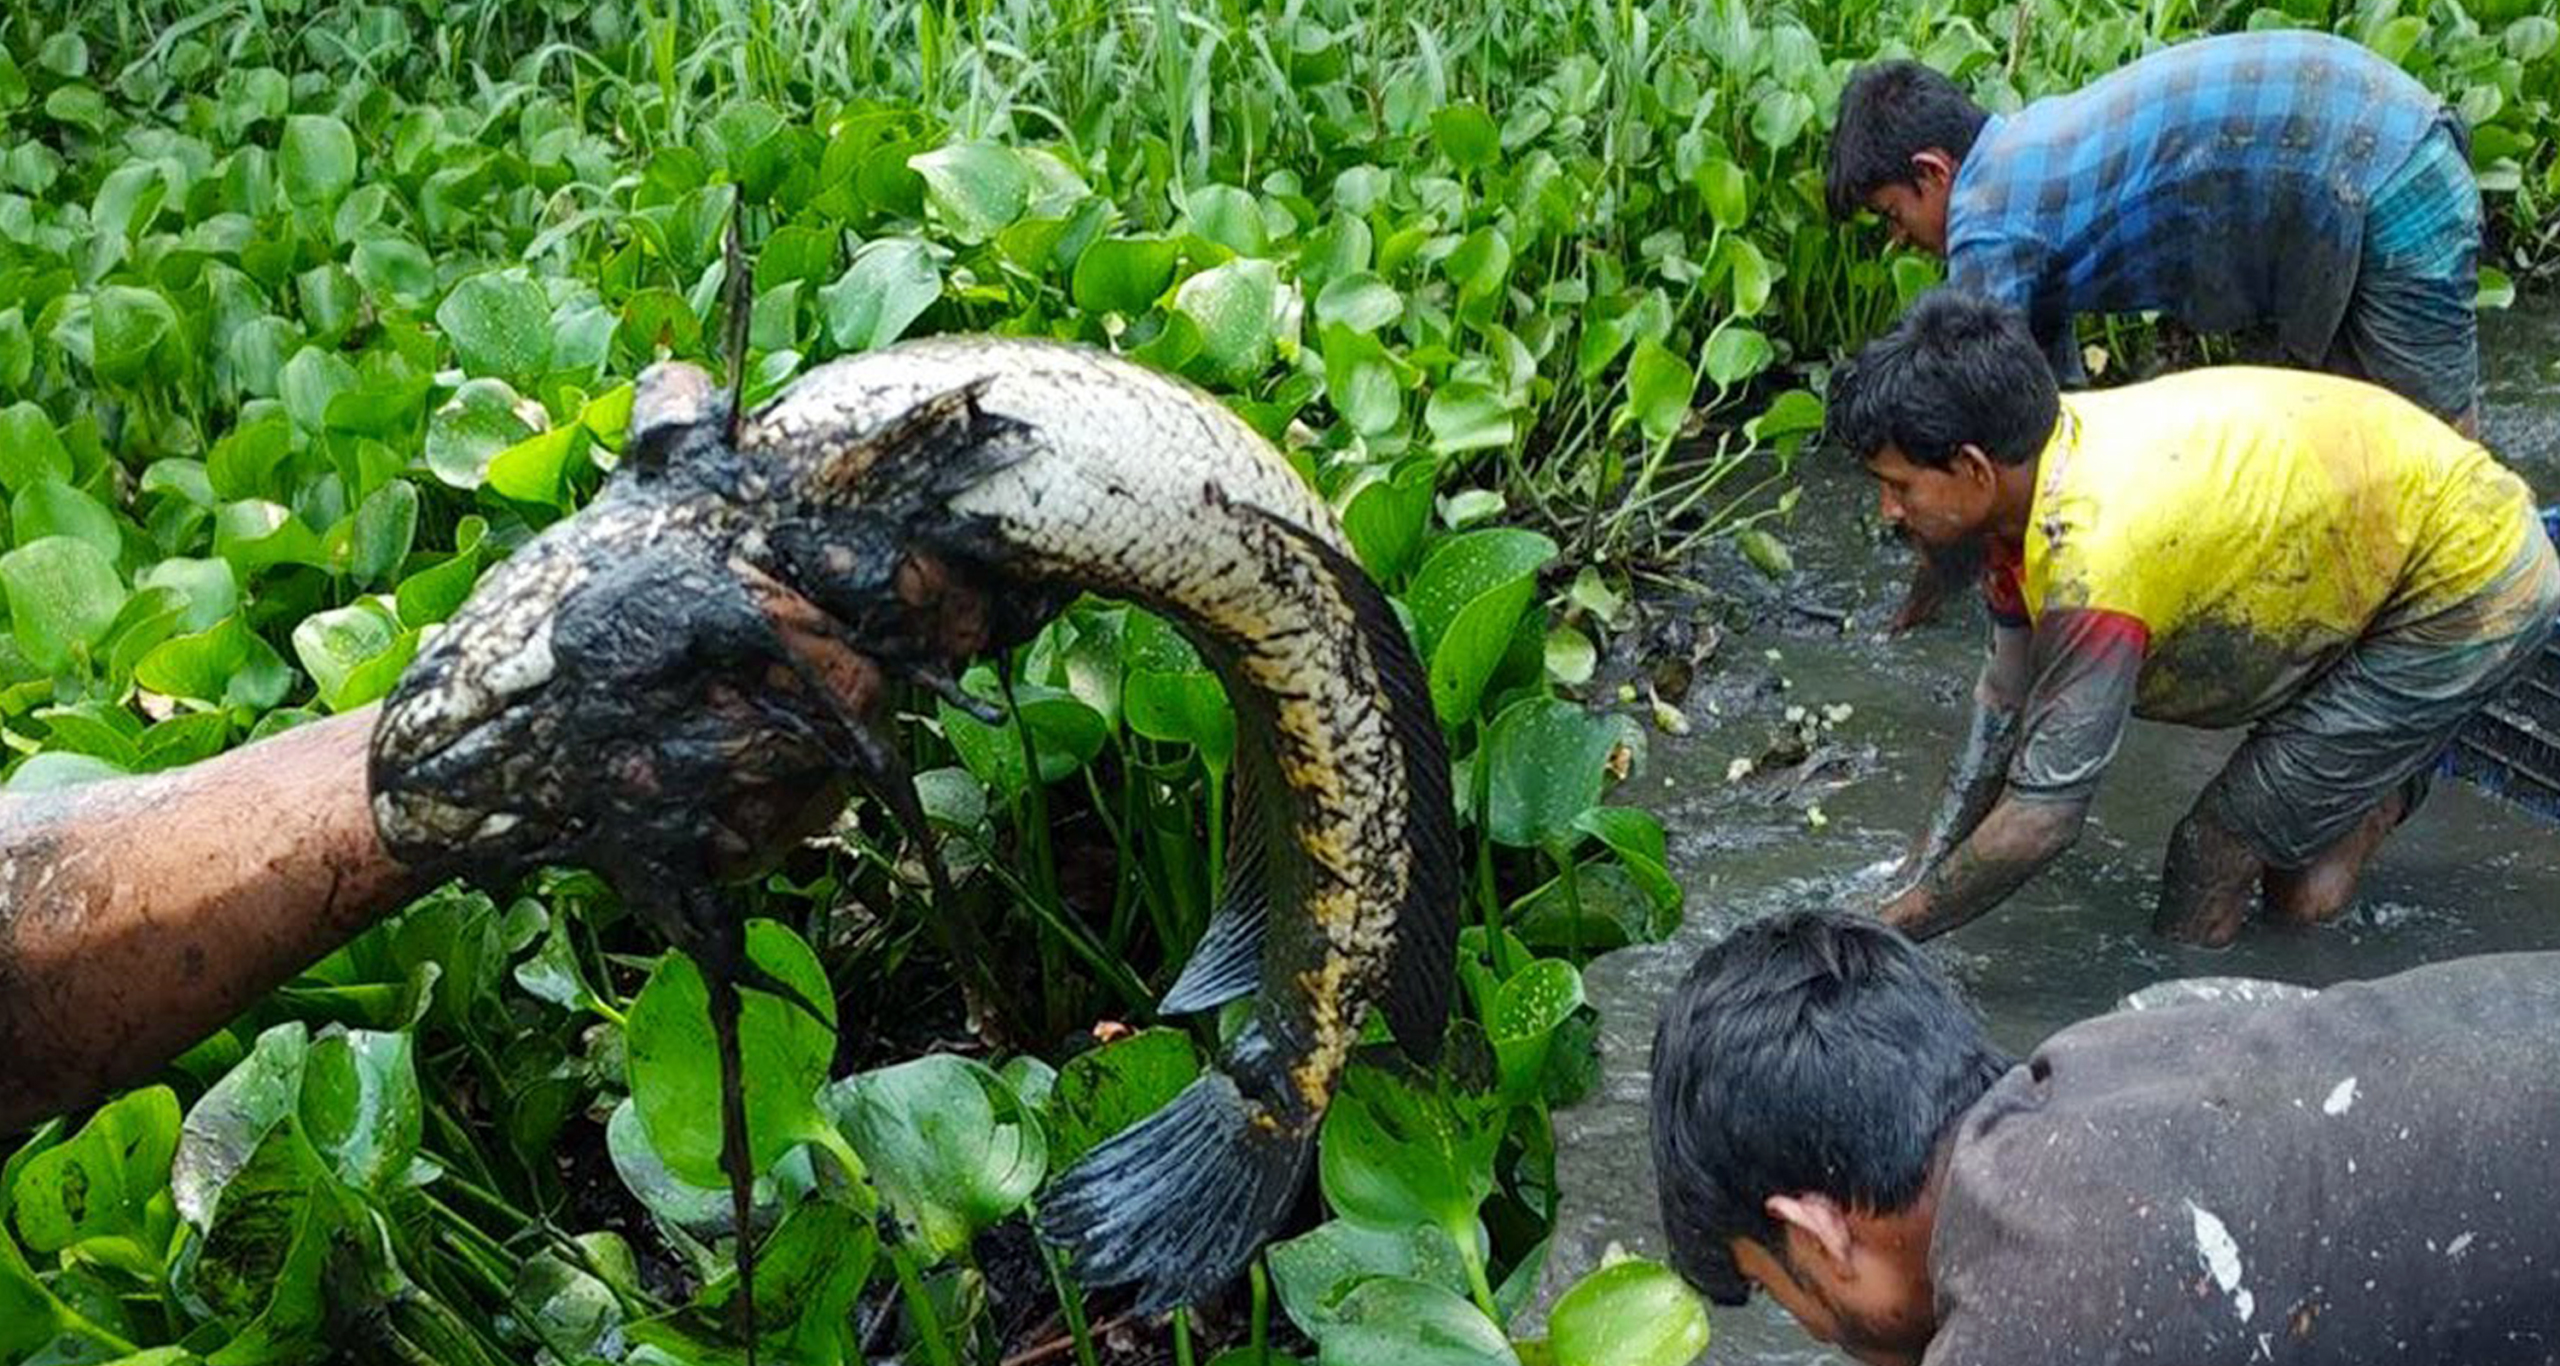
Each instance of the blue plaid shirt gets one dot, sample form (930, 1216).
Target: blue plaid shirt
(2223, 181)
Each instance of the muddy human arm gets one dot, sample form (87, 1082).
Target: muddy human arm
(2086, 666)
(139, 915)
(2013, 843)
(1981, 763)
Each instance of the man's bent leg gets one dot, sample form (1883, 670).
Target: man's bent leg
(2297, 791)
(2315, 893)
(2208, 881)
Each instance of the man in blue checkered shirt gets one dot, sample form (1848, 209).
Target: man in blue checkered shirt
(2286, 178)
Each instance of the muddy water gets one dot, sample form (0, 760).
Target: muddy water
(2465, 876)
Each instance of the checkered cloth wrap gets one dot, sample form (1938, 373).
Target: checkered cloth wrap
(2427, 215)
(2224, 181)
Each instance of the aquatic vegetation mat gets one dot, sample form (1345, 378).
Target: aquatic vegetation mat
(312, 312)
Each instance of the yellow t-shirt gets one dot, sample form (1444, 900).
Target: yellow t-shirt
(2257, 521)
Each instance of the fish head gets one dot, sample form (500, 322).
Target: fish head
(706, 639)
(621, 693)
(459, 765)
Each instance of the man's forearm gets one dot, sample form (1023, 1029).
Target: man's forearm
(1977, 775)
(1974, 782)
(2016, 840)
(139, 915)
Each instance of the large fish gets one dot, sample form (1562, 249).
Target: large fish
(898, 510)
(1344, 879)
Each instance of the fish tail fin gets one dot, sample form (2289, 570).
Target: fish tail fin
(1180, 1202)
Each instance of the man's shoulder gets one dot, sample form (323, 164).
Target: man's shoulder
(2063, 1215)
(2040, 1121)
(2184, 411)
(2011, 149)
(2148, 1174)
(2257, 407)
(2209, 72)
(2010, 1219)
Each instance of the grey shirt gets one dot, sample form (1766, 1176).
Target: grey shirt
(2371, 1174)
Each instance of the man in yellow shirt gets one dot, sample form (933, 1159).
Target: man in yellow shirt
(2310, 556)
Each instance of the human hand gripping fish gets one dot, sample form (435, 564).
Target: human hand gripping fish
(900, 511)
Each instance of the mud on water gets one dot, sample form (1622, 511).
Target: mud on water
(2464, 876)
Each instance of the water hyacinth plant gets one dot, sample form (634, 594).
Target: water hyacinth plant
(311, 311)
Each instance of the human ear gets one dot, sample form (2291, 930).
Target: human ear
(1932, 169)
(1976, 464)
(1820, 1218)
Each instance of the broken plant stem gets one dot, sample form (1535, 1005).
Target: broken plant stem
(1070, 1306)
(735, 1159)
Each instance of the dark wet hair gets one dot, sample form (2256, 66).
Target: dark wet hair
(1957, 369)
(1814, 1051)
(1891, 112)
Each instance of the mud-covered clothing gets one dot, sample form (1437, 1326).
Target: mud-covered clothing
(2412, 325)
(2381, 717)
(2248, 524)
(2214, 548)
(2229, 181)
(2361, 1176)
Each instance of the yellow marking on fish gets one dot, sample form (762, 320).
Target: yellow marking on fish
(1336, 913)
(1333, 1018)
(1320, 776)
(1324, 844)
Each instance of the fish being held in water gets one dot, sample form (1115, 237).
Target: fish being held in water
(901, 510)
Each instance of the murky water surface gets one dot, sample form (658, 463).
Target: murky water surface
(2465, 876)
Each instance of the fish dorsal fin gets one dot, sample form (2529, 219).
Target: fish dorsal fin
(942, 443)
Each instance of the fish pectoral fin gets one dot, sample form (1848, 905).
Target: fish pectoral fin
(1227, 964)
(937, 447)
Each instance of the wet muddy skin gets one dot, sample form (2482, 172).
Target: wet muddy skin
(2464, 876)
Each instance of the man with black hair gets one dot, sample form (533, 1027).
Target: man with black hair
(2310, 556)
(2283, 177)
(2360, 1175)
